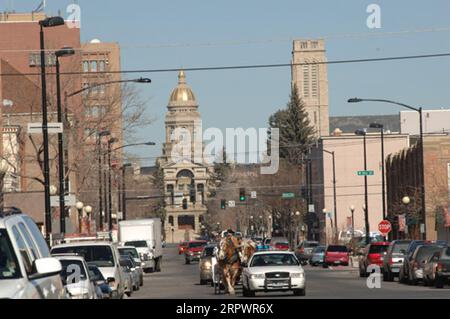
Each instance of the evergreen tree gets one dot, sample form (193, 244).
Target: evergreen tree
(297, 135)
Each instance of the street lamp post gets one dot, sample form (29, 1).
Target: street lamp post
(352, 210)
(383, 177)
(46, 23)
(123, 193)
(110, 142)
(406, 201)
(366, 197)
(334, 190)
(64, 52)
(100, 184)
(79, 206)
(421, 155)
(88, 210)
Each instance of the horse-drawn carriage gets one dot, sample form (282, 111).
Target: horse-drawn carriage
(231, 255)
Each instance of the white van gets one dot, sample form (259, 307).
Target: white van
(104, 255)
(27, 270)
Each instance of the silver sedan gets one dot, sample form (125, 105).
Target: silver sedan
(269, 271)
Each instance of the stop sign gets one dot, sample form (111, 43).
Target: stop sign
(384, 227)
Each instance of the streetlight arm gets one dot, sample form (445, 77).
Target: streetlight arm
(135, 144)
(140, 80)
(328, 152)
(357, 100)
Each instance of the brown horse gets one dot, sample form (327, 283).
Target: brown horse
(230, 262)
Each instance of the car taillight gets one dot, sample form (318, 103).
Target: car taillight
(415, 264)
(302, 250)
(440, 267)
(391, 261)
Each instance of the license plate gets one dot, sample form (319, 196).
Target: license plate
(337, 262)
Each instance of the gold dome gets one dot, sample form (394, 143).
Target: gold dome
(182, 94)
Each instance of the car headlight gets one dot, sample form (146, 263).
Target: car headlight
(297, 275)
(257, 276)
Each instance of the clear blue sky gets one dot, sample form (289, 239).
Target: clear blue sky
(246, 98)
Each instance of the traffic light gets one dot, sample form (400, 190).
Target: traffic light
(223, 204)
(242, 196)
(185, 203)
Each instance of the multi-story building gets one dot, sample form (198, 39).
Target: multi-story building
(310, 75)
(349, 159)
(404, 179)
(186, 174)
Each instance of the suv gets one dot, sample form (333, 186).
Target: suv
(393, 260)
(336, 255)
(26, 267)
(104, 255)
(373, 255)
(403, 275)
(304, 251)
(194, 250)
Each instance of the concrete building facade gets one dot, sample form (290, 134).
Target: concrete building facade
(349, 160)
(310, 75)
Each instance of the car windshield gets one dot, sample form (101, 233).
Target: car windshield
(9, 267)
(129, 252)
(378, 249)
(72, 271)
(97, 273)
(274, 260)
(426, 251)
(319, 249)
(311, 244)
(101, 256)
(137, 244)
(127, 262)
(398, 247)
(208, 252)
(446, 254)
(196, 245)
(337, 249)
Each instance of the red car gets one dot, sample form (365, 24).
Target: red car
(336, 255)
(373, 255)
(279, 243)
(194, 250)
(182, 247)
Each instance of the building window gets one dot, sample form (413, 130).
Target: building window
(314, 80)
(306, 80)
(314, 44)
(102, 66)
(315, 117)
(181, 187)
(86, 91)
(85, 66)
(304, 45)
(93, 66)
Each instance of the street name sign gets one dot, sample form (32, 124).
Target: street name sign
(52, 128)
(253, 195)
(69, 200)
(366, 173)
(288, 195)
(384, 227)
(231, 204)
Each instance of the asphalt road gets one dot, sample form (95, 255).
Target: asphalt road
(180, 281)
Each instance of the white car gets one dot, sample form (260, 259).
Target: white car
(133, 253)
(269, 271)
(76, 278)
(27, 270)
(102, 254)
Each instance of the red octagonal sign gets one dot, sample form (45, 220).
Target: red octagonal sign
(384, 227)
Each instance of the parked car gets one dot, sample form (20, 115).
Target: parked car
(205, 264)
(133, 253)
(304, 251)
(273, 271)
(76, 277)
(418, 260)
(104, 255)
(405, 269)
(393, 260)
(437, 269)
(128, 263)
(127, 278)
(194, 250)
(104, 291)
(27, 271)
(279, 243)
(266, 241)
(182, 247)
(336, 255)
(374, 254)
(317, 255)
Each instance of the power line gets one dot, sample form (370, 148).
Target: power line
(243, 67)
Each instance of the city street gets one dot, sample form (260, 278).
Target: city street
(177, 280)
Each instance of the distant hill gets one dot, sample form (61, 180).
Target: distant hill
(349, 124)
